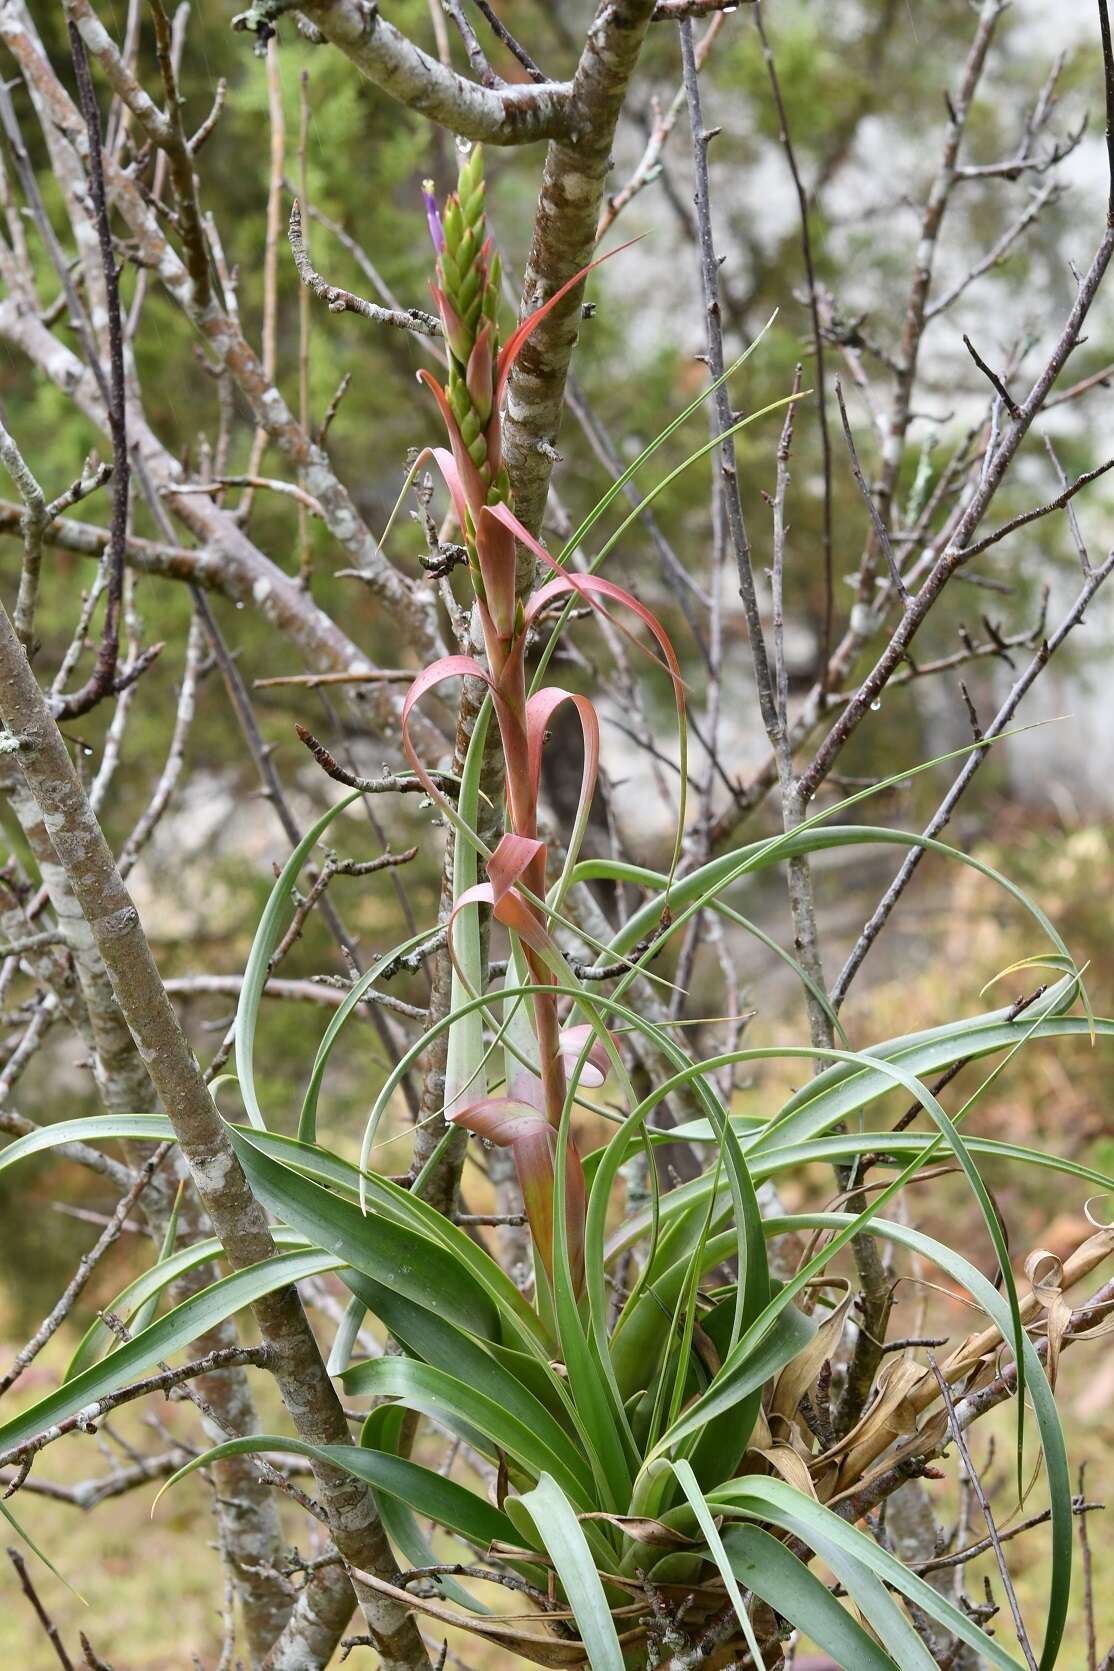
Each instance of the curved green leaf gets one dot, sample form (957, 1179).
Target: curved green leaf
(273, 924)
(35, 1550)
(773, 1572)
(876, 1604)
(99, 1338)
(94, 1128)
(1040, 1393)
(383, 1431)
(844, 1089)
(710, 1534)
(436, 1341)
(560, 1531)
(776, 1502)
(417, 1267)
(193, 1318)
(307, 1119)
(405, 1208)
(447, 1399)
(428, 1493)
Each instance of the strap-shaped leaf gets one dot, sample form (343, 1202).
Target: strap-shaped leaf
(436, 1341)
(616, 487)
(147, 1310)
(185, 1323)
(150, 1285)
(843, 1090)
(344, 1341)
(95, 1128)
(773, 1572)
(35, 1550)
(487, 1423)
(877, 1605)
(383, 1431)
(406, 1209)
(425, 1491)
(845, 1146)
(465, 1075)
(948, 1134)
(540, 710)
(560, 1531)
(774, 1501)
(710, 1534)
(1040, 1394)
(276, 917)
(592, 588)
(307, 1119)
(418, 1268)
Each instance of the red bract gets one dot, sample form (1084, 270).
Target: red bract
(466, 296)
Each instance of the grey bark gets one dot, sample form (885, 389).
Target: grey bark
(237, 1217)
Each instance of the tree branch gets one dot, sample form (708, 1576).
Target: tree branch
(514, 115)
(236, 1215)
(563, 240)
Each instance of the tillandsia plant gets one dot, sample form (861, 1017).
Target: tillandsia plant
(653, 1415)
(527, 1118)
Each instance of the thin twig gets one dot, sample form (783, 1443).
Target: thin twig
(940, 817)
(1061, 501)
(269, 332)
(1088, 1580)
(477, 57)
(102, 679)
(721, 403)
(84, 1421)
(305, 549)
(988, 1514)
(501, 32)
(92, 1659)
(41, 1613)
(86, 1266)
(992, 378)
(391, 783)
(33, 524)
(817, 333)
(881, 532)
(313, 681)
(338, 300)
(971, 1551)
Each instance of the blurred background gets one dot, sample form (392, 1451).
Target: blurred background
(864, 83)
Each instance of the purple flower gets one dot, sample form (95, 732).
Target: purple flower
(433, 216)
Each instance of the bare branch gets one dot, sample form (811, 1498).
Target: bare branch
(1061, 500)
(164, 1381)
(102, 680)
(391, 783)
(502, 33)
(344, 301)
(879, 526)
(33, 522)
(514, 115)
(817, 332)
(563, 240)
(237, 1217)
(971, 765)
(988, 1515)
(676, 11)
(721, 401)
(86, 1266)
(41, 1613)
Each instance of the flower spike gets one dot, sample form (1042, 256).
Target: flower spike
(466, 292)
